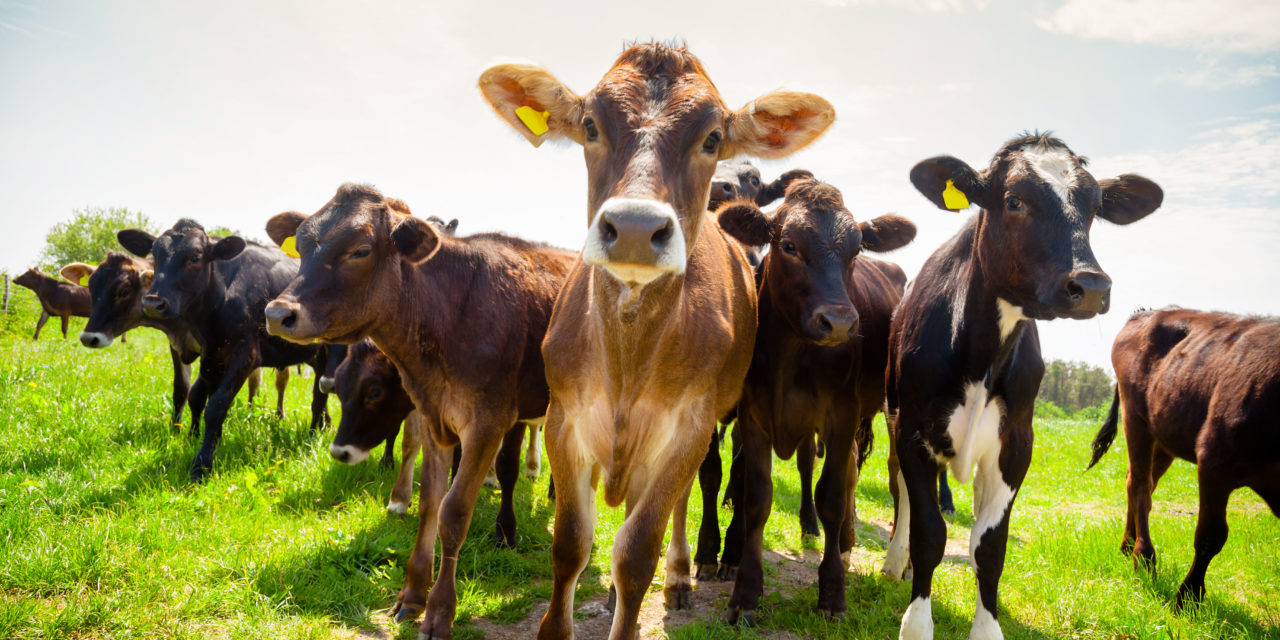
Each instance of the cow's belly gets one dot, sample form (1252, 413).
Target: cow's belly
(973, 432)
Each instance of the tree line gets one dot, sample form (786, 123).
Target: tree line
(1074, 385)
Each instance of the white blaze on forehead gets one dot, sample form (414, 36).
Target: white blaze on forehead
(1056, 167)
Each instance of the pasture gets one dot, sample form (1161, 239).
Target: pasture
(104, 537)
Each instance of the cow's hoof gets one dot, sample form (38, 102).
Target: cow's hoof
(830, 613)
(727, 573)
(948, 511)
(612, 602)
(198, 473)
(1188, 597)
(434, 629)
(406, 612)
(706, 571)
(746, 618)
(398, 508)
(503, 541)
(678, 598)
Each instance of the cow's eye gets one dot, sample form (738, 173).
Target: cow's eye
(755, 182)
(1013, 203)
(195, 259)
(593, 134)
(374, 394)
(122, 292)
(789, 248)
(712, 143)
(362, 252)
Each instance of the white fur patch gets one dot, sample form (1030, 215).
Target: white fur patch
(1009, 317)
(985, 626)
(917, 622)
(957, 310)
(398, 508)
(974, 429)
(895, 559)
(354, 455)
(1055, 167)
(670, 260)
(95, 340)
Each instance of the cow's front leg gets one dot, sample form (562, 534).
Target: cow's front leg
(805, 455)
(709, 475)
(753, 505)
(319, 399)
(479, 447)
(282, 381)
(229, 383)
(44, 317)
(181, 388)
(994, 488)
(574, 524)
(833, 499)
(678, 588)
(435, 478)
(926, 535)
(414, 436)
(507, 467)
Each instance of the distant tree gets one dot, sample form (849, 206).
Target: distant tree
(88, 235)
(1075, 385)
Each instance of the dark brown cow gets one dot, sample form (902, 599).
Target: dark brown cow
(818, 367)
(652, 333)
(1203, 387)
(59, 299)
(964, 363)
(461, 318)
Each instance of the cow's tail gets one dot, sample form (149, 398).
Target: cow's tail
(1107, 433)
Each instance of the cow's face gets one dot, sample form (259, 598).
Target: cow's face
(184, 262)
(814, 241)
(734, 180)
(116, 287)
(373, 402)
(652, 131)
(1038, 204)
(352, 250)
(29, 279)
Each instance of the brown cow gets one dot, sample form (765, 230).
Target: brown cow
(461, 318)
(652, 333)
(1204, 387)
(59, 299)
(819, 367)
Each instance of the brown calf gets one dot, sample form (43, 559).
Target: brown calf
(1204, 387)
(819, 367)
(653, 330)
(461, 318)
(59, 299)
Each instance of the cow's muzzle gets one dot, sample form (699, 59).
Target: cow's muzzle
(636, 240)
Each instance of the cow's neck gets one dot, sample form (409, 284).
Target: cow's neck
(988, 321)
(632, 322)
(199, 313)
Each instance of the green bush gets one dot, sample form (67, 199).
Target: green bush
(88, 235)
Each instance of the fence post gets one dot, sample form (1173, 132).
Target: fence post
(6, 293)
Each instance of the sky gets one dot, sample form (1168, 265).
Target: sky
(230, 112)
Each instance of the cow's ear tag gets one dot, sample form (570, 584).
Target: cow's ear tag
(954, 198)
(290, 247)
(84, 281)
(535, 120)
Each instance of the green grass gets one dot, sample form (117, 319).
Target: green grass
(104, 537)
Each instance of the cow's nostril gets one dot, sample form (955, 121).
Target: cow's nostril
(608, 232)
(289, 320)
(1074, 291)
(825, 324)
(661, 236)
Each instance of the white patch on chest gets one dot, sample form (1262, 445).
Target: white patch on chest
(974, 429)
(957, 310)
(1009, 317)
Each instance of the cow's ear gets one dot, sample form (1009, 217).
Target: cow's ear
(452, 227)
(949, 183)
(415, 240)
(76, 272)
(1129, 198)
(136, 241)
(745, 222)
(145, 278)
(887, 233)
(778, 188)
(228, 248)
(533, 102)
(284, 225)
(777, 125)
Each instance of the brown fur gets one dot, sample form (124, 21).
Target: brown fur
(57, 299)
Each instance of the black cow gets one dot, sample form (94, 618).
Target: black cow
(1204, 387)
(965, 364)
(219, 289)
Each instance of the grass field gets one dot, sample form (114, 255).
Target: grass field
(104, 537)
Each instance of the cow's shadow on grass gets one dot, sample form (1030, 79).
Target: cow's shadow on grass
(1162, 586)
(351, 575)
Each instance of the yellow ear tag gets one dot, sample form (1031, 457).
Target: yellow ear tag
(954, 198)
(84, 281)
(535, 120)
(290, 247)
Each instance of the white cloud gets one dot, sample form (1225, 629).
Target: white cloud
(1215, 75)
(923, 6)
(1233, 26)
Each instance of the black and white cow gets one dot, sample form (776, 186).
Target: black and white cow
(965, 365)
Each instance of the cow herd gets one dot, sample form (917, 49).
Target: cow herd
(690, 306)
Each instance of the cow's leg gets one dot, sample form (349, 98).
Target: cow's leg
(417, 574)
(639, 541)
(533, 454)
(678, 588)
(709, 475)
(124, 337)
(926, 535)
(388, 452)
(196, 401)
(254, 382)
(319, 399)
(181, 388)
(944, 494)
(574, 524)
(733, 488)
(897, 555)
(479, 447)
(282, 381)
(64, 319)
(229, 383)
(1211, 532)
(413, 439)
(808, 512)
(508, 468)
(1142, 449)
(752, 508)
(833, 500)
(849, 531)
(731, 557)
(44, 317)
(994, 487)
